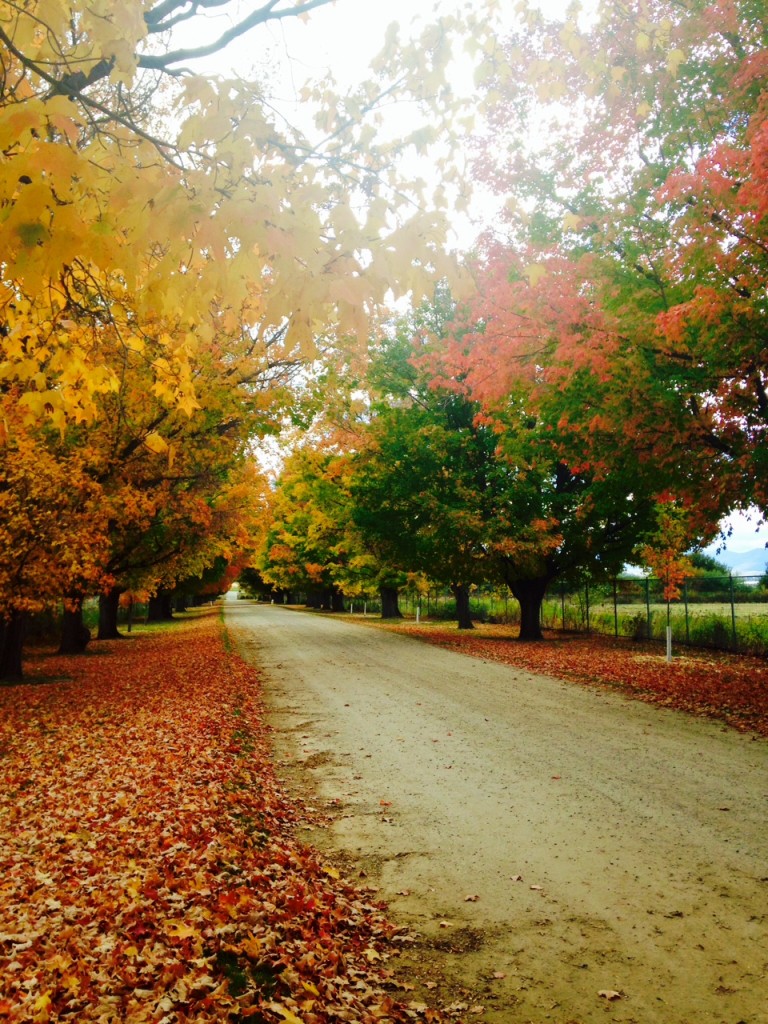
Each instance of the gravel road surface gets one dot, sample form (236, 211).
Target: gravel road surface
(564, 855)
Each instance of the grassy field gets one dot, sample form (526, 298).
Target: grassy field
(704, 624)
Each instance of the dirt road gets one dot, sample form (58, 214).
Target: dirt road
(565, 855)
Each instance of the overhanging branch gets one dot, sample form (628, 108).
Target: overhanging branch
(268, 12)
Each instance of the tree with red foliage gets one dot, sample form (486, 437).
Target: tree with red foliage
(636, 217)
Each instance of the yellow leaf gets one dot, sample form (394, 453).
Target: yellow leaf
(642, 42)
(155, 443)
(674, 59)
(571, 222)
(285, 1013)
(180, 930)
(252, 948)
(332, 872)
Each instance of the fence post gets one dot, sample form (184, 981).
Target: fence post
(669, 631)
(562, 604)
(687, 627)
(586, 593)
(615, 611)
(734, 638)
(648, 606)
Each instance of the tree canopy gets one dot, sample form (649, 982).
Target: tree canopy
(180, 262)
(173, 250)
(637, 218)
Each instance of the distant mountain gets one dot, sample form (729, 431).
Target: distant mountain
(741, 563)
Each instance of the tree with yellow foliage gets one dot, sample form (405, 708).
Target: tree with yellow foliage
(163, 230)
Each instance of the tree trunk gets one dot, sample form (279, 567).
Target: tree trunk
(314, 599)
(390, 607)
(159, 608)
(11, 645)
(75, 636)
(530, 595)
(337, 600)
(460, 592)
(109, 605)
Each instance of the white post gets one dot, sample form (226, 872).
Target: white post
(669, 643)
(365, 607)
(418, 611)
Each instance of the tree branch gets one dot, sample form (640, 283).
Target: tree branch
(267, 13)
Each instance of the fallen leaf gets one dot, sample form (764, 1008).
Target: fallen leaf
(288, 1015)
(606, 993)
(180, 930)
(471, 899)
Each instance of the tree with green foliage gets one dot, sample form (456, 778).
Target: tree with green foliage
(466, 491)
(421, 482)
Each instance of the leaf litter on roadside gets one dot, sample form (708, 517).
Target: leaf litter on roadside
(148, 866)
(733, 688)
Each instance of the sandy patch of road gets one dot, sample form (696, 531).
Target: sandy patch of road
(548, 843)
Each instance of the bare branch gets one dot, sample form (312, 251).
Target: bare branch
(267, 13)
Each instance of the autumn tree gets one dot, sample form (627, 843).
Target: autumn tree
(305, 548)
(53, 537)
(159, 219)
(420, 487)
(141, 192)
(548, 511)
(182, 489)
(629, 144)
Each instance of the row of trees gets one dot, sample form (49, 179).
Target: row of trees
(417, 482)
(177, 256)
(603, 393)
(174, 251)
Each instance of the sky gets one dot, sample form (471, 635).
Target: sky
(746, 535)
